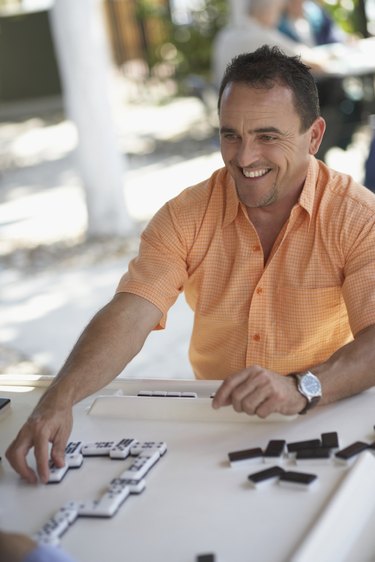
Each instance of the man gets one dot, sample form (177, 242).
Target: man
(275, 253)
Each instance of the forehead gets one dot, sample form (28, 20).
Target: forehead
(275, 106)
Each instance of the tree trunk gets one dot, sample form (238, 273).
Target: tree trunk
(84, 62)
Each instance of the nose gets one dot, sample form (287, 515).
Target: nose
(248, 153)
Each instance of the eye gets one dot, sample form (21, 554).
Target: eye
(268, 138)
(230, 137)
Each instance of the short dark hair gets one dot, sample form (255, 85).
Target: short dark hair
(268, 66)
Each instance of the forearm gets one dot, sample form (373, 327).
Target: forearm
(350, 370)
(112, 338)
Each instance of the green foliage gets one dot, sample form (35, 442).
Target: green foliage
(348, 14)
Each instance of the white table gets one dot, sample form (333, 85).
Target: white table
(194, 502)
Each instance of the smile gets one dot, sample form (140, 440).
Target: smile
(255, 173)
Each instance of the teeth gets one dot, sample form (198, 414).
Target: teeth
(254, 173)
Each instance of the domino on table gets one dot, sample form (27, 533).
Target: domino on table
(317, 455)
(56, 474)
(298, 445)
(137, 447)
(135, 486)
(56, 526)
(122, 449)
(297, 480)
(237, 458)
(206, 557)
(330, 440)
(98, 448)
(349, 453)
(141, 465)
(106, 505)
(266, 476)
(73, 455)
(274, 451)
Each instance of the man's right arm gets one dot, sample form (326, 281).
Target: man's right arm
(113, 337)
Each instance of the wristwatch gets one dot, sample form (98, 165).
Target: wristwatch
(309, 386)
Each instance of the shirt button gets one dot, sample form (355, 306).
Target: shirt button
(256, 248)
(256, 337)
(259, 290)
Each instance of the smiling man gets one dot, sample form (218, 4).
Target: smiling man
(275, 253)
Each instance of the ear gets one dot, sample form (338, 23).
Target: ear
(316, 134)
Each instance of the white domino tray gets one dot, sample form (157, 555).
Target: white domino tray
(130, 406)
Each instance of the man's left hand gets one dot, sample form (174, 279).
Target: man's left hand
(258, 391)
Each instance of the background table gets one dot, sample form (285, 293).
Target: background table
(193, 501)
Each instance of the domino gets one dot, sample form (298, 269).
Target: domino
(237, 458)
(173, 394)
(206, 557)
(160, 393)
(258, 479)
(189, 395)
(297, 480)
(57, 525)
(73, 456)
(274, 451)
(349, 453)
(317, 455)
(298, 445)
(107, 505)
(135, 486)
(56, 474)
(330, 440)
(144, 393)
(122, 449)
(141, 465)
(97, 449)
(137, 447)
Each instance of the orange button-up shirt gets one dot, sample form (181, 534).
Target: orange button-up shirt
(316, 290)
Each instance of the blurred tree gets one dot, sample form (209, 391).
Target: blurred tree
(350, 15)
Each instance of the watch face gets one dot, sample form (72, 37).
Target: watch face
(311, 385)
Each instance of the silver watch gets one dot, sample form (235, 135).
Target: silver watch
(309, 386)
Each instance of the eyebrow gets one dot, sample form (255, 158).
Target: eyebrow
(259, 130)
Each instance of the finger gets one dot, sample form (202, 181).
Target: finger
(16, 455)
(41, 451)
(224, 392)
(59, 446)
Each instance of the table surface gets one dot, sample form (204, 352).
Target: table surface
(193, 502)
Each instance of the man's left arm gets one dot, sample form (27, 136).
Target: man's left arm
(256, 390)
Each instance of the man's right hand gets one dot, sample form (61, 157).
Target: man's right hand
(47, 424)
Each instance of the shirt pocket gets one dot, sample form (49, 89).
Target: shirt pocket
(310, 321)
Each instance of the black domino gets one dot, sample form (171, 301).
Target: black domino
(317, 454)
(298, 445)
(245, 456)
(298, 480)
(274, 450)
(349, 453)
(265, 476)
(206, 557)
(330, 440)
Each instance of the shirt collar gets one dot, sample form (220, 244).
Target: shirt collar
(306, 200)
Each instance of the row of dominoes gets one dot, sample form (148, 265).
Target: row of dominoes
(130, 481)
(323, 449)
(76, 450)
(167, 394)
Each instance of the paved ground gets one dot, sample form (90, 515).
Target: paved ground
(52, 282)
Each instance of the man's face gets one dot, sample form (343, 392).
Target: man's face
(262, 144)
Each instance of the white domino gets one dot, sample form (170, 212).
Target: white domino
(135, 486)
(122, 449)
(137, 448)
(56, 526)
(107, 505)
(56, 474)
(73, 455)
(141, 465)
(98, 448)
